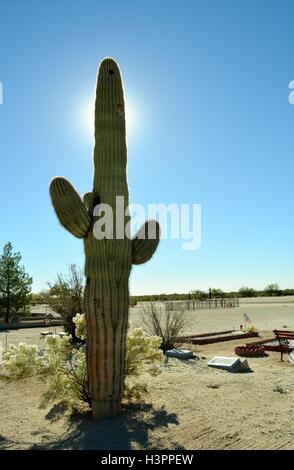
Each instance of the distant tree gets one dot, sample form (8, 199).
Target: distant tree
(288, 292)
(217, 293)
(272, 290)
(133, 301)
(37, 298)
(65, 296)
(15, 284)
(199, 294)
(247, 292)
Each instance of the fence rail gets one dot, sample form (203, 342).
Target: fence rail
(28, 324)
(198, 304)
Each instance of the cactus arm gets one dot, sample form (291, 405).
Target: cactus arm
(145, 242)
(88, 199)
(69, 207)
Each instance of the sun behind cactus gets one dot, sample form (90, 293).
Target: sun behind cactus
(108, 260)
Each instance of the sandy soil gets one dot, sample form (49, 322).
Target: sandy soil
(190, 406)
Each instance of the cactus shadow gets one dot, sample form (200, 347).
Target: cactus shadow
(5, 443)
(130, 430)
(56, 412)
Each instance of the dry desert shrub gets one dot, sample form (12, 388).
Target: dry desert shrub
(168, 325)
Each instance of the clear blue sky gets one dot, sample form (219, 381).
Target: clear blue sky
(209, 83)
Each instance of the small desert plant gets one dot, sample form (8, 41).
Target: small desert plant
(22, 361)
(166, 324)
(279, 389)
(62, 365)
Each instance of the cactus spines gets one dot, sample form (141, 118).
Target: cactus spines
(109, 260)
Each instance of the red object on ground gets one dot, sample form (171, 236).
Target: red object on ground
(250, 350)
(271, 344)
(209, 338)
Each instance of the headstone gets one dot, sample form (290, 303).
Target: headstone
(180, 353)
(223, 362)
(241, 367)
(231, 364)
(46, 333)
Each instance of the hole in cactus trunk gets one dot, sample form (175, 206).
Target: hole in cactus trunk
(119, 108)
(111, 72)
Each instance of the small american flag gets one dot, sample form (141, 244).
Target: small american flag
(246, 318)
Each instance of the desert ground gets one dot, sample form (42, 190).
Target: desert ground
(189, 406)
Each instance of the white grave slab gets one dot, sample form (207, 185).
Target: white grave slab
(223, 362)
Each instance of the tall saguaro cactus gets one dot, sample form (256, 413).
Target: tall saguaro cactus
(108, 260)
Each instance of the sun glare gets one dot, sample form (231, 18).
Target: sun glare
(87, 118)
(132, 118)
